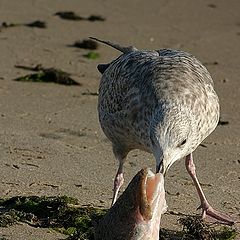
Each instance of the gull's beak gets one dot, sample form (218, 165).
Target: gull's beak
(160, 167)
(167, 168)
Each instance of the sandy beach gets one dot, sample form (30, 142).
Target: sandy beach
(51, 142)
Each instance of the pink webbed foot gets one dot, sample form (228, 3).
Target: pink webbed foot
(207, 210)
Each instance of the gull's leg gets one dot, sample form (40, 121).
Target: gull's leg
(120, 155)
(118, 181)
(206, 207)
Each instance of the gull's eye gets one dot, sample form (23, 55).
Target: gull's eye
(182, 143)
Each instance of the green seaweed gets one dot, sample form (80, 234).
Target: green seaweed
(62, 214)
(226, 233)
(9, 218)
(195, 228)
(47, 75)
(92, 55)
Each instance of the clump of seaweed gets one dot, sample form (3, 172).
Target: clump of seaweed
(86, 44)
(7, 25)
(195, 228)
(94, 18)
(35, 24)
(60, 213)
(168, 234)
(64, 215)
(70, 15)
(47, 75)
(8, 218)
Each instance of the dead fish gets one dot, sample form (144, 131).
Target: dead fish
(137, 212)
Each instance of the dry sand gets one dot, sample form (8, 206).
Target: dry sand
(50, 139)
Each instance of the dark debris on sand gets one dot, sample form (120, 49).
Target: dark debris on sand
(47, 75)
(220, 122)
(90, 93)
(34, 24)
(70, 15)
(94, 18)
(7, 25)
(86, 44)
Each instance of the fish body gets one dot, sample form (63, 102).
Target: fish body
(137, 213)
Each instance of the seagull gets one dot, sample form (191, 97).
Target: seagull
(159, 101)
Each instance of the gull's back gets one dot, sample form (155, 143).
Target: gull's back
(144, 92)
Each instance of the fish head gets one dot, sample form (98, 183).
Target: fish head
(137, 212)
(152, 204)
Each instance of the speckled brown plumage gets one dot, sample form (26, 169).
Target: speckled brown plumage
(154, 100)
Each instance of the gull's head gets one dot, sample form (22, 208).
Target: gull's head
(172, 141)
